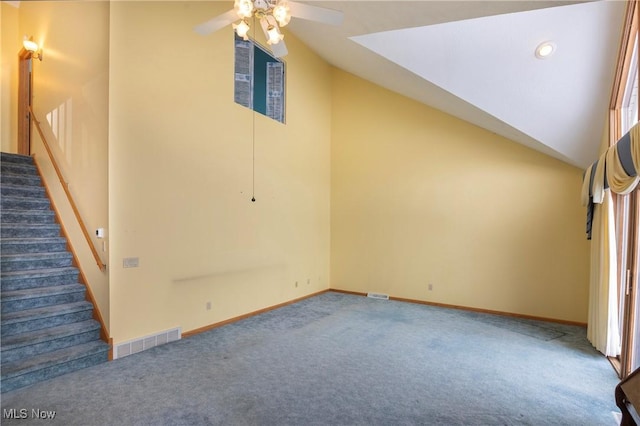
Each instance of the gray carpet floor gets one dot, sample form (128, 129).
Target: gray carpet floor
(337, 359)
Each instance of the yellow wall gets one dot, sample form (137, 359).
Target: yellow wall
(9, 46)
(386, 194)
(420, 197)
(70, 99)
(180, 176)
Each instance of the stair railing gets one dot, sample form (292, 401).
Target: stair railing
(65, 186)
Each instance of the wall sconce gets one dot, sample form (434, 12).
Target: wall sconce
(31, 46)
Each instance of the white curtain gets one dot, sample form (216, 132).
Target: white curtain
(602, 330)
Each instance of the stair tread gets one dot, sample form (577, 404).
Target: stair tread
(32, 247)
(22, 167)
(19, 198)
(45, 312)
(31, 172)
(6, 160)
(26, 173)
(27, 180)
(45, 216)
(37, 225)
(30, 225)
(42, 255)
(27, 212)
(17, 240)
(32, 293)
(37, 273)
(46, 334)
(16, 185)
(11, 157)
(30, 188)
(34, 194)
(17, 368)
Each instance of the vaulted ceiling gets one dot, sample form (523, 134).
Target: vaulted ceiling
(476, 60)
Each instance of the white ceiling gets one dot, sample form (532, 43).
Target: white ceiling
(476, 60)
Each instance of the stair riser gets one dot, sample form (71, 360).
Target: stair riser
(25, 204)
(27, 231)
(18, 248)
(22, 191)
(15, 283)
(12, 179)
(7, 157)
(33, 264)
(19, 169)
(53, 371)
(38, 302)
(41, 217)
(40, 323)
(24, 352)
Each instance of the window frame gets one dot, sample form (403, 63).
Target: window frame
(626, 207)
(259, 81)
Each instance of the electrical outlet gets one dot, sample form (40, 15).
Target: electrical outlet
(296, 284)
(208, 306)
(430, 287)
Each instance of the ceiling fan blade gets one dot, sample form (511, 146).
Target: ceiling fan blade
(279, 49)
(315, 13)
(219, 22)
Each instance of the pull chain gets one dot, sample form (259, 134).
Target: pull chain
(253, 163)
(253, 126)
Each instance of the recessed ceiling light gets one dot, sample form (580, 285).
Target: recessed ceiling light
(544, 50)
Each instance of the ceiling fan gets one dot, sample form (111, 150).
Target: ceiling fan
(272, 15)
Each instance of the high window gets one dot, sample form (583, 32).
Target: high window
(259, 80)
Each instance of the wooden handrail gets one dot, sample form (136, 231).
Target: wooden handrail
(65, 186)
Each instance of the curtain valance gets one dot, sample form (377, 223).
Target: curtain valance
(616, 169)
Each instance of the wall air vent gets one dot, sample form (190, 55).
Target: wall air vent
(147, 342)
(380, 296)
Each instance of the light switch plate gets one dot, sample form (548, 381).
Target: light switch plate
(130, 262)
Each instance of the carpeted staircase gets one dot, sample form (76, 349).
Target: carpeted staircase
(47, 326)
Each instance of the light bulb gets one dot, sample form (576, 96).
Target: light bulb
(244, 8)
(274, 35)
(282, 13)
(242, 29)
(30, 45)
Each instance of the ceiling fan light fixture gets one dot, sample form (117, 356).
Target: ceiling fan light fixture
(282, 13)
(274, 35)
(244, 8)
(272, 16)
(242, 29)
(544, 50)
